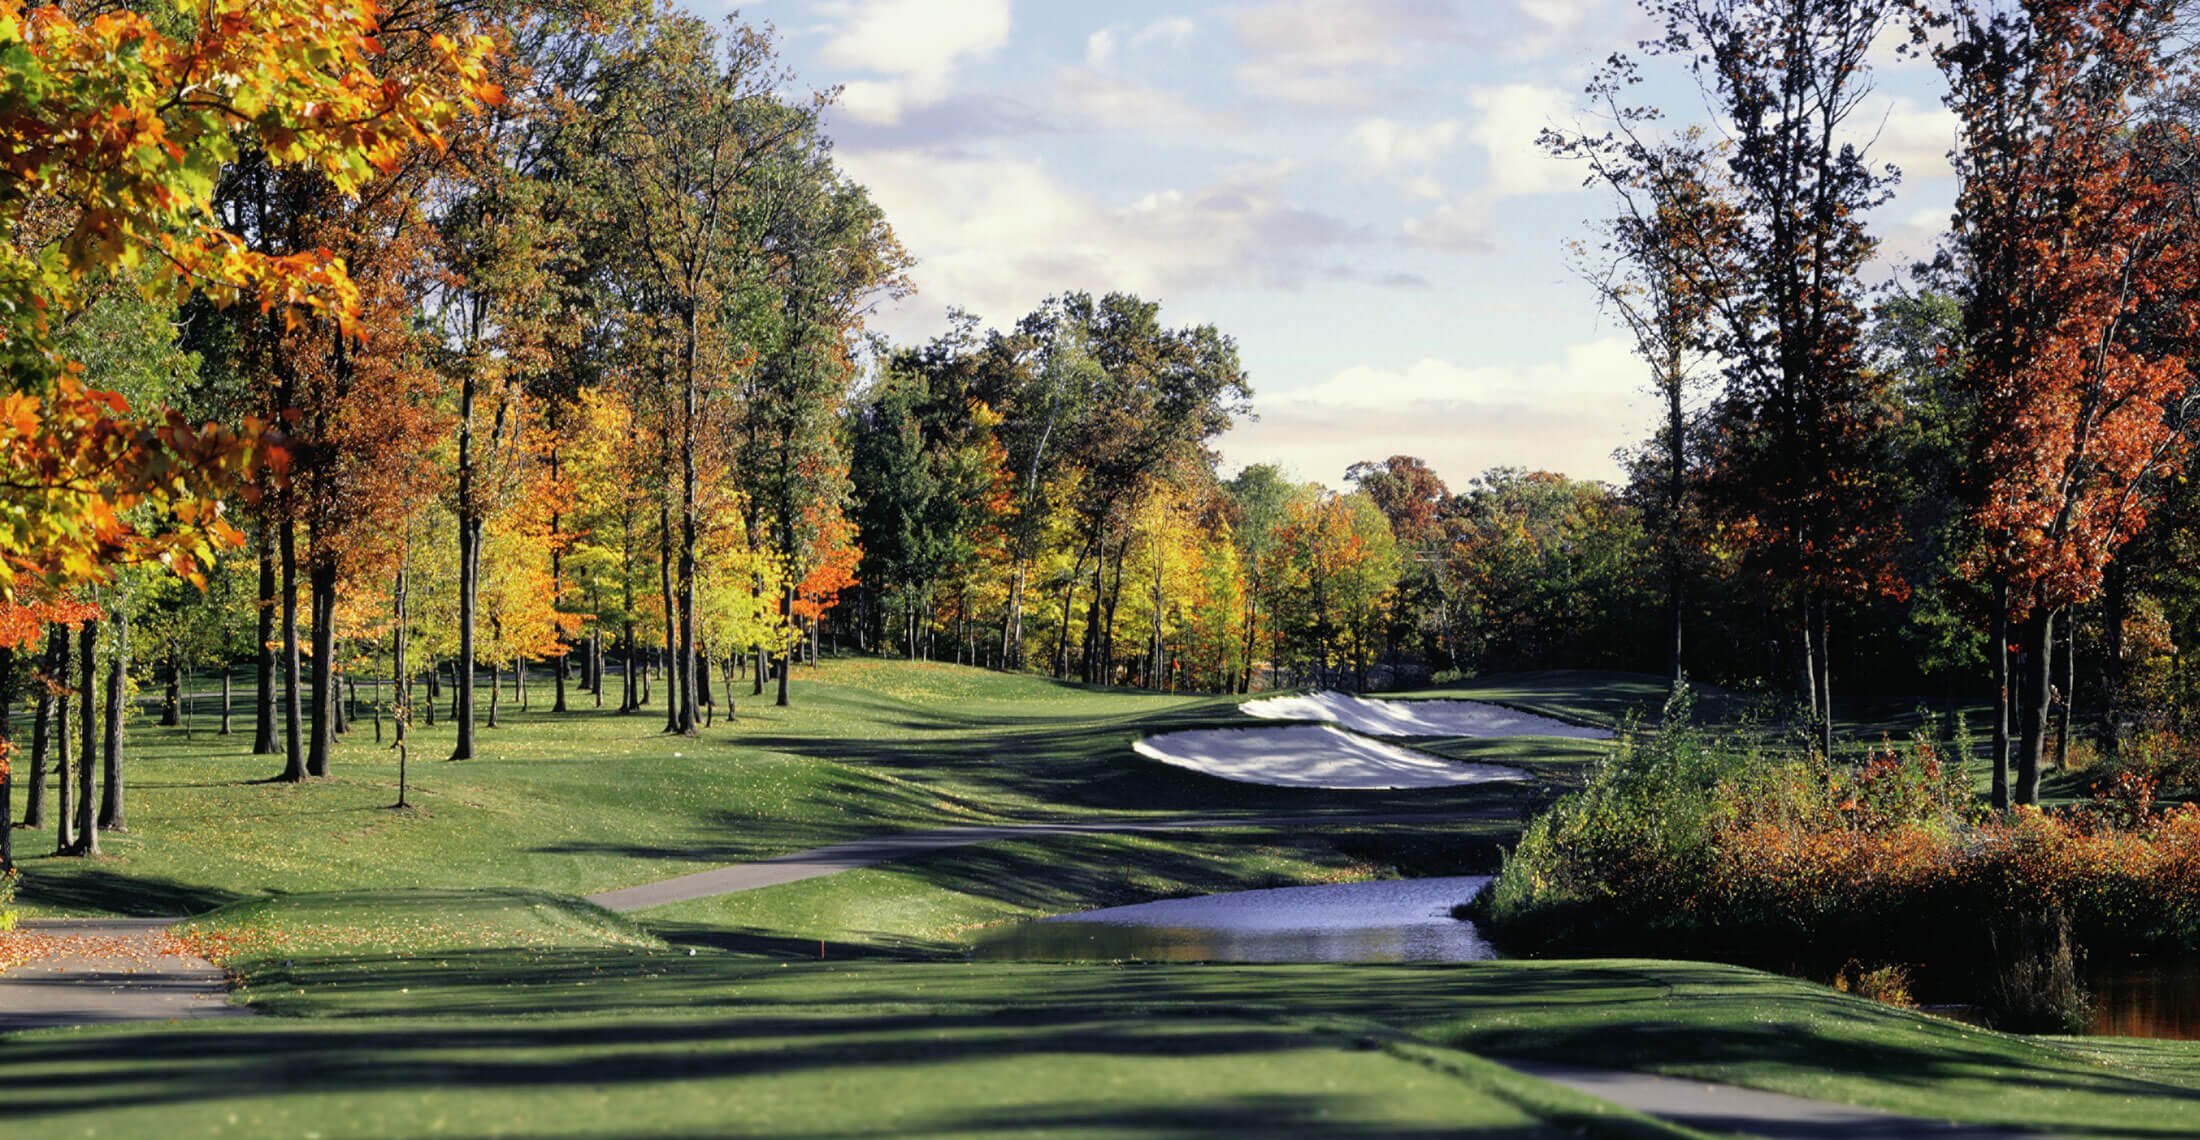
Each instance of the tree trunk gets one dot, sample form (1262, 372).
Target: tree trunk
(294, 759)
(786, 658)
(400, 678)
(7, 748)
(496, 688)
(321, 582)
(2037, 636)
(2069, 691)
(111, 816)
(171, 704)
(1825, 676)
(628, 701)
(1676, 456)
(263, 656)
(1999, 654)
(87, 750)
(34, 797)
(519, 681)
(664, 583)
(684, 654)
(469, 575)
(64, 824)
(760, 667)
(2116, 604)
(225, 698)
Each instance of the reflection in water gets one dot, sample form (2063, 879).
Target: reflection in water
(2147, 997)
(1407, 920)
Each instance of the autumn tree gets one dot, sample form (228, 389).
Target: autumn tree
(1800, 473)
(2075, 367)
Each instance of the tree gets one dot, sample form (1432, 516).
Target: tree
(113, 164)
(2076, 366)
(1659, 268)
(1801, 473)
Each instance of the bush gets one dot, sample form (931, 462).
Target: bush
(1707, 847)
(1887, 985)
(2034, 985)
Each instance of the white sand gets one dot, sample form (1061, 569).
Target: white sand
(1312, 756)
(1415, 718)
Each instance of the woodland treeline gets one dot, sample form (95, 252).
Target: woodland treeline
(443, 345)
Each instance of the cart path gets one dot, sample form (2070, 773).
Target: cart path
(1729, 1110)
(831, 860)
(100, 970)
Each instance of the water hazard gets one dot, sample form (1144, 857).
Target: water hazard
(1393, 920)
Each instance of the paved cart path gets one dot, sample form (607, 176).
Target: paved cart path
(1730, 1110)
(100, 970)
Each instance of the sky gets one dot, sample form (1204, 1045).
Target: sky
(1350, 190)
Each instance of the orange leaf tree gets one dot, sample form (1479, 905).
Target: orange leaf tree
(2078, 311)
(113, 131)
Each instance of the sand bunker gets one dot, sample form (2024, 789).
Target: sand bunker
(1415, 718)
(1313, 756)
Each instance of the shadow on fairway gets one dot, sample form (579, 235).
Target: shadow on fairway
(79, 886)
(512, 1021)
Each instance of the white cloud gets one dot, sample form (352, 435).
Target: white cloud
(1567, 415)
(1173, 31)
(1329, 54)
(997, 235)
(1913, 136)
(1453, 227)
(1100, 48)
(1389, 145)
(915, 45)
(1511, 117)
(1092, 98)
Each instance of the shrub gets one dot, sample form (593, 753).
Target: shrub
(2034, 985)
(1687, 844)
(1887, 985)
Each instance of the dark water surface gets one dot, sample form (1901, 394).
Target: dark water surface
(2146, 997)
(1392, 920)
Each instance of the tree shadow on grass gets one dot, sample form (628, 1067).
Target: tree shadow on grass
(75, 885)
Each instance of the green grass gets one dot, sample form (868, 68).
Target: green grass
(590, 800)
(430, 971)
(414, 922)
(590, 1039)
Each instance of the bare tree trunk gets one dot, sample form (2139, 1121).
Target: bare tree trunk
(34, 797)
(225, 698)
(263, 655)
(294, 758)
(7, 748)
(786, 657)
(1999, 652)
(321, 579)
(64, 824)
(469, 570)
(664, 582)
(628, 699)
(2069, 692)
(2037, 635)
(2115, 607)
(87, 825)
(118, 663)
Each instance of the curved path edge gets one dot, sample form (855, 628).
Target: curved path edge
(818, 862)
